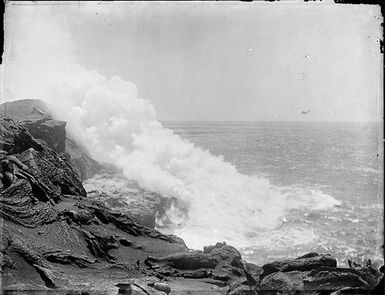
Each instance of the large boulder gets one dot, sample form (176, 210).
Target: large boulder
(126, 196)
(304, 263)
(325, 279)
(285, 282)
(317, 273)
(219, 264)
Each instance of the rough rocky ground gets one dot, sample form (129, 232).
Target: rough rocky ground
(57, 239)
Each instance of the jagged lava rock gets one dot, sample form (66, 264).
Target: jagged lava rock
(219, 264)
(306, 262)
(36, 116)
(51, 131)
(33, 113)
(316, 273)
(126, 196)
(83, 163)
(53, 171)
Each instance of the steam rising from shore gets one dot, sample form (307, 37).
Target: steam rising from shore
(214, 201)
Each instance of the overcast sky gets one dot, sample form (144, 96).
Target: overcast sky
(229, 61)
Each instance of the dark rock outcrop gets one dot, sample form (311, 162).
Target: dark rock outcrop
(84, 165)
(15, 138)
(68, 258)
(36, 117)
(124, 222)
(51, 131)
(304, 263)
(116, 192)
(219, 264)
(99, 243)
(19, 204)
(316, 273)
(380, 288)
(53, 171)
(41, 177)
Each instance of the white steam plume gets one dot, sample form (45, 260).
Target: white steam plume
(215, 202)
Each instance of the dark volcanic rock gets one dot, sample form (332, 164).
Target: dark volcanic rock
(220, 264)
(124, 222)
(316, 272)
(307, 262)
(334, 279)
(225, 254)
(78, 216)
(379, 288)
(41, 164)
(15, 244)
(321, 279)
(99, 243)
(126, 196)
(143, 213)
(53, 171)
(51, 131)
(17, 204)
(68, 258)
(36, 117)
(186, 261)
(84, 165)
(15, 138)
(283, 281)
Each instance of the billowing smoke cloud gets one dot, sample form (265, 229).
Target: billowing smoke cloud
(215, 202)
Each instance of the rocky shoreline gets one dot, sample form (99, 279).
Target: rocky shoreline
(59, 239)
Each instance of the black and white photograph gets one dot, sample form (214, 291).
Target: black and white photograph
(191, 147)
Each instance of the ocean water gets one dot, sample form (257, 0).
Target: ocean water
(307, 159)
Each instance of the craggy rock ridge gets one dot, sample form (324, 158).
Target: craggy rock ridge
(115, 191)
(56, 239)
(36, 117)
